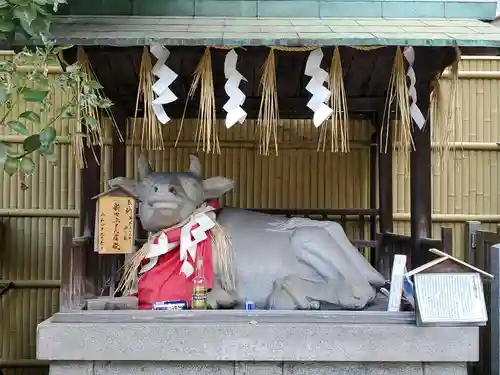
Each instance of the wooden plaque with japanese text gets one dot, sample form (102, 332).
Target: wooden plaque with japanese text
(115, 224)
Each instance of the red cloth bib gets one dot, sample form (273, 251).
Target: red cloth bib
(165, 282)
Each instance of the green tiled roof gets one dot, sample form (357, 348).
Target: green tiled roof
(133, 31)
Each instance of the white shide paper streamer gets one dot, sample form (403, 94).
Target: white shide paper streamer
(161, 87)
(320, 94)
(235, 113)
(416, 114)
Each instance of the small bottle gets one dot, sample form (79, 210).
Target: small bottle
(199, 299)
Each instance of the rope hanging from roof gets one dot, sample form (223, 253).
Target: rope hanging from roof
(151, 131)
(339, 123)
(92, 132)
(268, 118)
(444, 113)
(206, 130)
(398, 99)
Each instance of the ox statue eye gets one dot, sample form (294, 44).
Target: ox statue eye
(155, 188)
(172, 190)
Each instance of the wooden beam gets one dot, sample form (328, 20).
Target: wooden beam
(385, 190)
(90, 187)
(110, 265)
(420, 182)
(292, 107)
(383, 257)
(118, 143)
(66, 263)
(373, 194)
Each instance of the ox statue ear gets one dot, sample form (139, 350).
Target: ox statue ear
(195, 165)
(144, 167)
(216, 187)
(130, 186)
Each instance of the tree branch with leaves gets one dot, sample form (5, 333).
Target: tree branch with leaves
(25, 80)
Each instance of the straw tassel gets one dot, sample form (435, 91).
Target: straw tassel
(206, 130)
(398, 97)
(268, 118)
(444, 118)
(151, 130)
(84, 129)
(339, 122)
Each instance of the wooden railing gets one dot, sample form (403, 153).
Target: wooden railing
(483, 251)
(394, 243)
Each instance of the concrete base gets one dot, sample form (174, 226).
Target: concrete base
(255, 368)
(252, 343)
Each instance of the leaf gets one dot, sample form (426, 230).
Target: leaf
(90, 121)
(48, 153)
(25, 13)
(60, 48)
(4, 148)
(11, 165)
(38, 27)
(18, 127)
(32, 95)
(73, 68)
(6, 67)
(27, 165)
(94, 85)
(4, 95)
(47, 135)
(30, 115)
(6, 26)
(68, 113)
(4, 4)
(32, 143)
(105, 103)
(42, 10)
(40, 24)
(41, 79)
(19, 2)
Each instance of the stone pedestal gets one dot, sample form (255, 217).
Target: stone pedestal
(257, 343)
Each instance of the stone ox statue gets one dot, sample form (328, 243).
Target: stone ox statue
(278, 263)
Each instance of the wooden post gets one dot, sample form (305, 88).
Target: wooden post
(385, 181)
(494, 306)
(72, 272)
(447, 240)
(119, 151)
(110, 264)
(373, 195)
(66, 258)
(420, 180)
(471, 227)
(385, 196)
(90, 187)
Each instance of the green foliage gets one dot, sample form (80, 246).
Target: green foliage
(30, 18)
(25, 80)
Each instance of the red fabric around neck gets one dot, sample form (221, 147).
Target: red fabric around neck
(165, 282)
